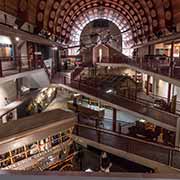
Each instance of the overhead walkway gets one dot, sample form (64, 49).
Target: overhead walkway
(159, 157)
(158, 117)
(164, 71)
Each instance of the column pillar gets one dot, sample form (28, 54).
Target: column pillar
(177, 142)
(18, 88)
(36, 56)
(54, 51)
(58, 62)
(171, 60)
(1, 71)
(171, 71)
(114, 119)
(155, 86)
(136, 85)
(169, 93)
(147, 88)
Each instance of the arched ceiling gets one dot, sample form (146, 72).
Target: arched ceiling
(97, 13)
(146, 19)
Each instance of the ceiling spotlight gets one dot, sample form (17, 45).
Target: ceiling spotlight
(17, 39)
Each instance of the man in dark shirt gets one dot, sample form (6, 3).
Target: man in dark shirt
(75, 104)
(105, 163)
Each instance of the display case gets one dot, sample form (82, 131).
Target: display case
(42, 100)
(87, 109)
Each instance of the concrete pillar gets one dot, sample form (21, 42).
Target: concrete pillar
(172, 59)
(147, 85)
(36, 58)
(114, 119)
(155, 86)
(1, 71)
(151, 50)
(169, 93)
(53, 61)
(173, 89)
(177, 142)
(17, 55)
(58, 62)
(18, 88)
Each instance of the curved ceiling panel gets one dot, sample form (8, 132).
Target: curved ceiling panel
(145, 18)
(93, 14)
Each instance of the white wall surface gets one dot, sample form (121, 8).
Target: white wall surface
(36, 80)
(8, 90)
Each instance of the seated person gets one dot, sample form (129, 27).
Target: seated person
(105, 163)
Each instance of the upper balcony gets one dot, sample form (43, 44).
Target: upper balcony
(92, 90)
(160, 66)
(14, 65)
(18, 67)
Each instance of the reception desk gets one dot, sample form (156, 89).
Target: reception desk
(87, 109)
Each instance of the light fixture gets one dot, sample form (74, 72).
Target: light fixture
(88, 170)
(17, 39)
(55, 48)
(76, 95)
(142, 120)
(109, 91)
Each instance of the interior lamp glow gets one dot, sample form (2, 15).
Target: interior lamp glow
(109, 91)
(142, 120)
(55, 48)
(17, 39)
(88, 170)
(76, 95)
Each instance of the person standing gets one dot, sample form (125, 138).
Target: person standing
(66, 65)
(6, 101)
(75, 104)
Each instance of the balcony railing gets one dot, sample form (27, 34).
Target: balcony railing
(163, 66)
(152, 151)
(14, 65)
(145, 109)
(127, 129)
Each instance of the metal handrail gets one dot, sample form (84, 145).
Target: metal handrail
(126, 124)
(131, 143)
(19, 63)
(145, 102)
(125, 98)
(129, 137)
(146, 65)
